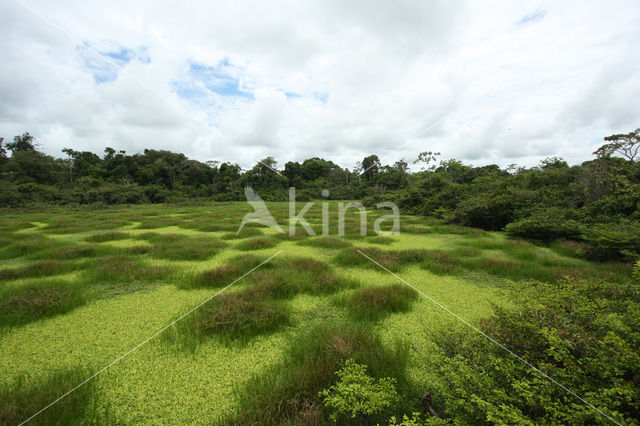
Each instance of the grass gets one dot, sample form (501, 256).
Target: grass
(26, 395)
(223, 275)
(42, 268)
(232, 317)
(259, 243)
(71, 282)
(375, 302)
(107, 236)
(38, 300)
(287, 392)
(181, 247)
(325, 242)
(123, 274)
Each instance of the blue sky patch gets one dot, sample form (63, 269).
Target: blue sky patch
(104, 66)
(201, 83)
(292, 95)
(322, 97)
(534, 16)
(220, 79)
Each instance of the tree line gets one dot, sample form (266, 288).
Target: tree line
(598, 200)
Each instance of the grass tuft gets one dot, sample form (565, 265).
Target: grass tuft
(31, 302)
(26, 395)
(287, 392)
(107, 236)
(257, 244)
(375, 302)
(225, 274)
(325, 242)
(244, 233)
(181, 247)
(231, 316)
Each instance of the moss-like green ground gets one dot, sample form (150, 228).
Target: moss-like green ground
(131, 271)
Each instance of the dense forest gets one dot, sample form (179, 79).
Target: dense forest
(595, 204)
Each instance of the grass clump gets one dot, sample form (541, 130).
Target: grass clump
(325, 242)
(232, 317)
(375, 302)
(43, 268)
(25, 244)
(288, 392)
(382, 240)
(25, 396)
(441, 263)
(257, 244)
(122, 274)
(107, 236)
(393, 260)
(180, 247)
(158, 222)
(244, 233)
(225, 274)
(291, 276)
(74, 251)
(31, 302)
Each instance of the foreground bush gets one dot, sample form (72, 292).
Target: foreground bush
(357, 394)
(583, 334)
(288, 392)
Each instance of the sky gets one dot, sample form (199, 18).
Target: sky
(483, 82)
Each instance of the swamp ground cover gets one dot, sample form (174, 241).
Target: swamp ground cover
(79, 287)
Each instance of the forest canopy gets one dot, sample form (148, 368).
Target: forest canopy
(597, 201)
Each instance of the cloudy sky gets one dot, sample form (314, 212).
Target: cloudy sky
(484, 82)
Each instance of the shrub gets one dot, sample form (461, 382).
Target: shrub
(357, 394)
(288, 392)
(609, 241)
(584, 334)
(548, 225)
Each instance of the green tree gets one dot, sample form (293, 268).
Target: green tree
(627, 145)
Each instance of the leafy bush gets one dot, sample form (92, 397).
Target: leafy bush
(288, 392)
(356, 394)
(548, 225)
(609, 241)
(583, 334)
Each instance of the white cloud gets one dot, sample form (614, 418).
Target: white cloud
(514, 82)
